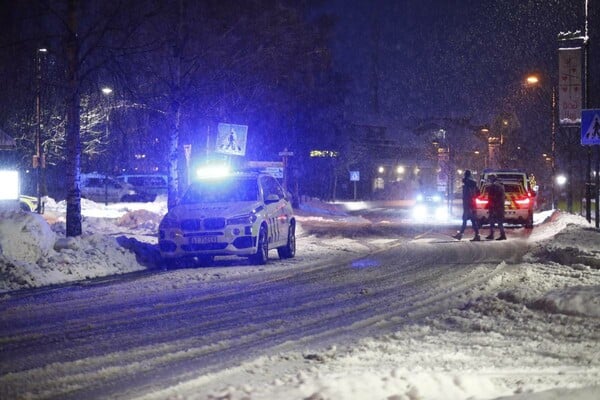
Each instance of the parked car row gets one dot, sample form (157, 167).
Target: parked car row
(102, 188)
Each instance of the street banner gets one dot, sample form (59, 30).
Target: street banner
(231, 139)
(569, 86)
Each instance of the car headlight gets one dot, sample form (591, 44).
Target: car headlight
(441, 213)
(419, 211)
(246, 219)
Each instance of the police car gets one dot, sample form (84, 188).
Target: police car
(518, 204)
(242, 214)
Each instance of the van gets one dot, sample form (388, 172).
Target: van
(147, 186)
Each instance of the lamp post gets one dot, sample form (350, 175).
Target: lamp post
(38, 159)
(485, 131)
(534, 81)
(107, 92)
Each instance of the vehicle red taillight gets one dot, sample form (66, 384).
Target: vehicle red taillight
(481, 202)
(523, 202)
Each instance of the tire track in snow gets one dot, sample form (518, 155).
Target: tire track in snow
(190, 331)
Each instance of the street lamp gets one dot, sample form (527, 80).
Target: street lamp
(532, 80)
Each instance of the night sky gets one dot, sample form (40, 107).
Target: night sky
(408, 60)
(450, 58)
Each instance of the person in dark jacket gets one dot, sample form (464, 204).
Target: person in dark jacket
(496, 207)
(469, 193)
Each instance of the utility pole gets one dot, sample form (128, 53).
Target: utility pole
(39, 161)
(285, 154)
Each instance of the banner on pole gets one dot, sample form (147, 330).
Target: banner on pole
(569, 86)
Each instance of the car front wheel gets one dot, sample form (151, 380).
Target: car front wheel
(262, 252)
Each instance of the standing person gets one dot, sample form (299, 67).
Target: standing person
(496, 207)
(469, 193)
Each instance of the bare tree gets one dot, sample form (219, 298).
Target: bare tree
(73, 136)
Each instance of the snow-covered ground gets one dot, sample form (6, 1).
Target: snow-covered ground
(531, 329)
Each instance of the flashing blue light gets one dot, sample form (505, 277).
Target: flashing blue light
(213, 171)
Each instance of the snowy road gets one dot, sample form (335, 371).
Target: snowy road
(253, 331)
(124, 338)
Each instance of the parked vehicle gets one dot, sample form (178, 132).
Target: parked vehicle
(147, 186)
(29, 203)
(243, 214)
(101, 188)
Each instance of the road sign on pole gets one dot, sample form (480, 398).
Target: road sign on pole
(590, 127)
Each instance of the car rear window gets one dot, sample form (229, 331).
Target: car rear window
(513, 188)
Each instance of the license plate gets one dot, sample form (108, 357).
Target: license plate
(203, 239)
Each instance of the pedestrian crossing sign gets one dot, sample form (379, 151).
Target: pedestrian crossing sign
(231, 139)
(590, 127)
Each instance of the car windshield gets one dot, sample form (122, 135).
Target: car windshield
(222, 191)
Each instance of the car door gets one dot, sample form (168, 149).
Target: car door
(276, 210)
(114, 190)
(92, 189)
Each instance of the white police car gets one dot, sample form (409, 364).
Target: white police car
(244, 214)
(518, 204)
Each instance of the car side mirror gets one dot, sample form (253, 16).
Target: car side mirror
(272, 198)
